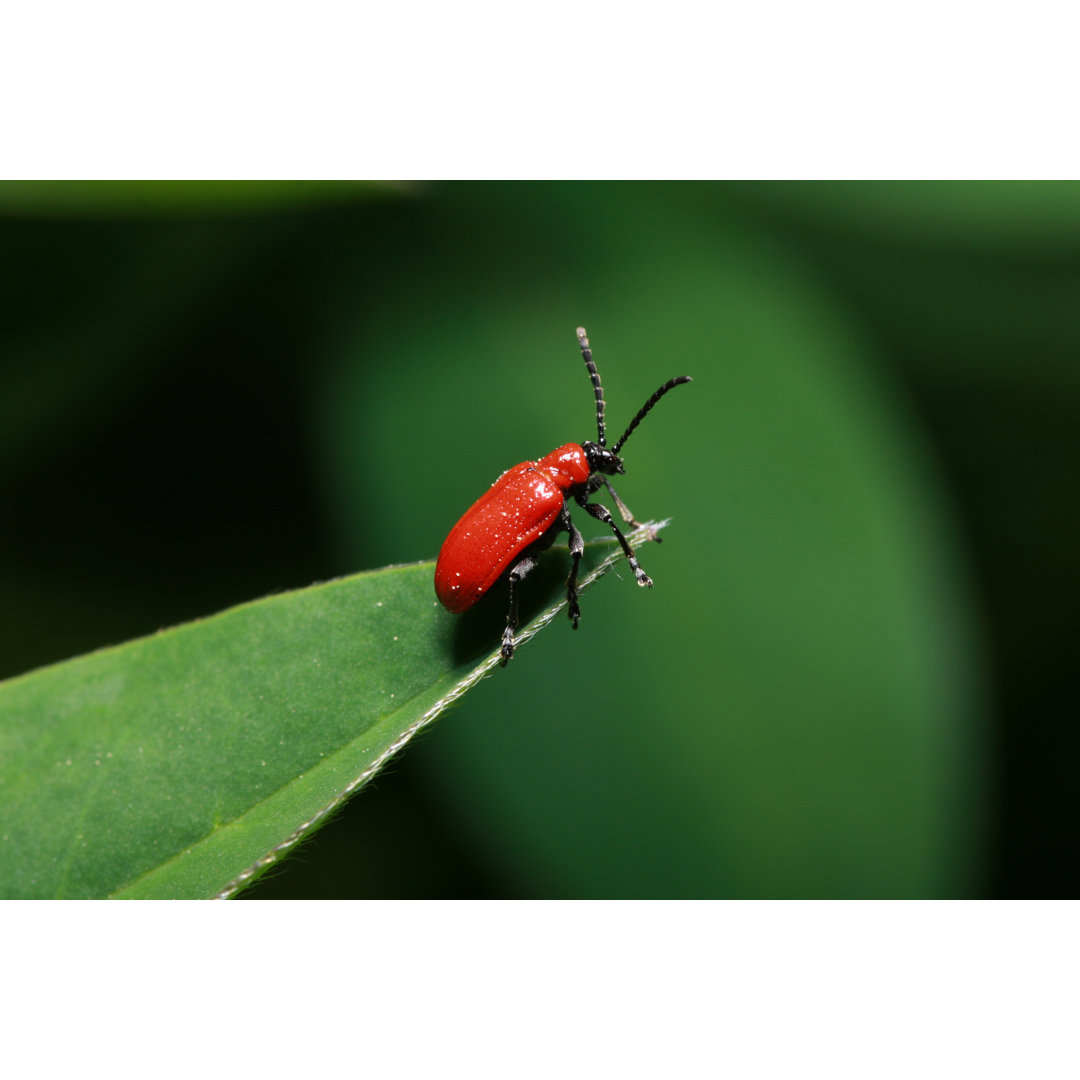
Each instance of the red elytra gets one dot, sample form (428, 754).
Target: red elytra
(514, 512)
(525, 509)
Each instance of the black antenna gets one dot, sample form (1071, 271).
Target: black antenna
(643, 411)
(586, 352)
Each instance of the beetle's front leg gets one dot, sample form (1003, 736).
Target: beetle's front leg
(601, 513)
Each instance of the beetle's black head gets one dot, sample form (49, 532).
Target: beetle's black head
(602, 460)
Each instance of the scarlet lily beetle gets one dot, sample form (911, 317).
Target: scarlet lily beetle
(523, 511)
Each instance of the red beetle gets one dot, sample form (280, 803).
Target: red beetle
(523, 511)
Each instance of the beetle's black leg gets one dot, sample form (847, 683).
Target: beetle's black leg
(596, 482)
(624, 510)
(576, 544)
(601, 513)
(520, 569)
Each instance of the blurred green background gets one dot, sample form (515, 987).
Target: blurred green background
(855, 676)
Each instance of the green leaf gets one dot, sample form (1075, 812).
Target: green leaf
(184, 764)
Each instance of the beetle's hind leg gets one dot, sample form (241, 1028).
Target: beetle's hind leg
(576, 543)
(521, 569)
